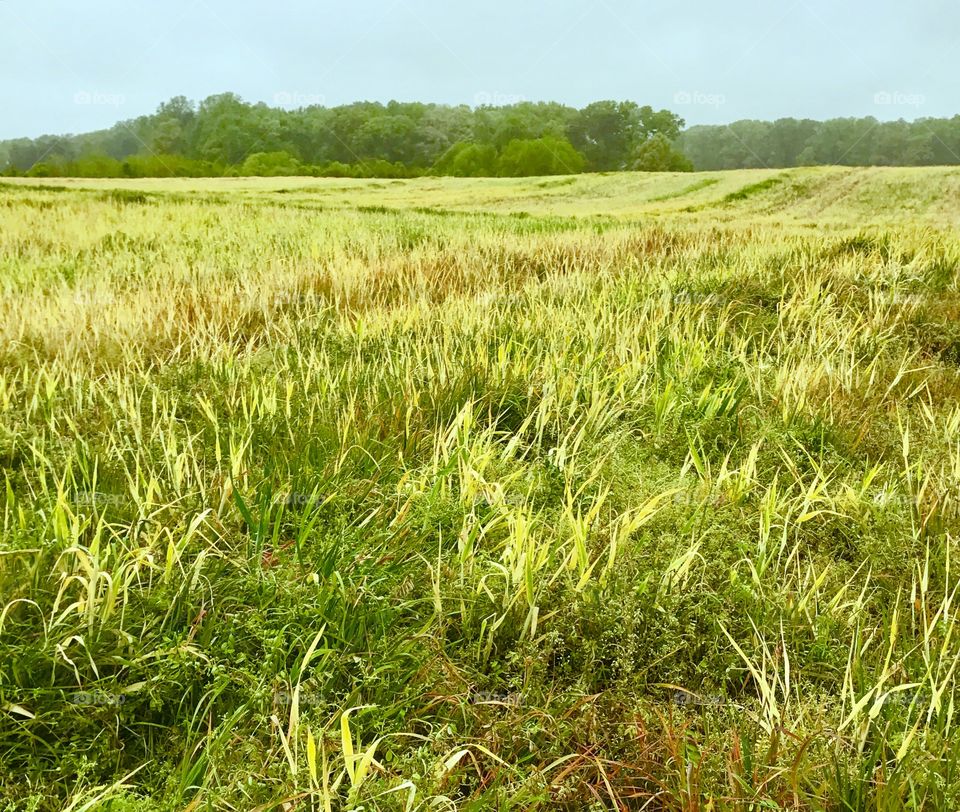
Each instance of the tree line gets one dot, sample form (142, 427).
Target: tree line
(802, 142)
(226, 136)
(223, 135)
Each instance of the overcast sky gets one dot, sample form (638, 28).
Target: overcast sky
(78, 66)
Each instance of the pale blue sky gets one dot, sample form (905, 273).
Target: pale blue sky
(77, 66)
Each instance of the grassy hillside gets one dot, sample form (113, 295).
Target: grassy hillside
(600, 492)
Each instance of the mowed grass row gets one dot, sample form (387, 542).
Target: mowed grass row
(315, 508)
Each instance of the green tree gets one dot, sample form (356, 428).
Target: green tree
(387, 137)
(787, 139)
(95, 166)
(605, 133)
(659, 122)
(439, 129)
(468, 160)
(539, 156)
(170, 127)
(268, 164)
(657, 154)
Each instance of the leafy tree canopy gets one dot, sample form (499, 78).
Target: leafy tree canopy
(539, 156)
(225, 135)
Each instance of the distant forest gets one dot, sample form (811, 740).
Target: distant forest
(802, 142)
(225, 136)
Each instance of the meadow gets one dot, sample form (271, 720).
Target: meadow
(625, 491)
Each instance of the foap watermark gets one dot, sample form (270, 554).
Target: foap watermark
(891, 499)
(694, 497)
(897, 98)
(495, 698)
(298, 98)
(283, 698)
(699, 98)
(92, 298)
(488, 499)
(99, 498)
(903, 697)
(291, 299)
(907, 299)
(301, 500)
(97, 698)
(688, 699)
(496, 98)
(908, 697)
(99, 98)
(701, 299)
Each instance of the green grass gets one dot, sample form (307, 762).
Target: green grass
(833, 198)
(452, 494)
(754, 189)
(704, 183)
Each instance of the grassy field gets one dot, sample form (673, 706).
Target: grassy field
(602, 492)
(815, 197)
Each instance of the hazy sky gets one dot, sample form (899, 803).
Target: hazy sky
(77, 66)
